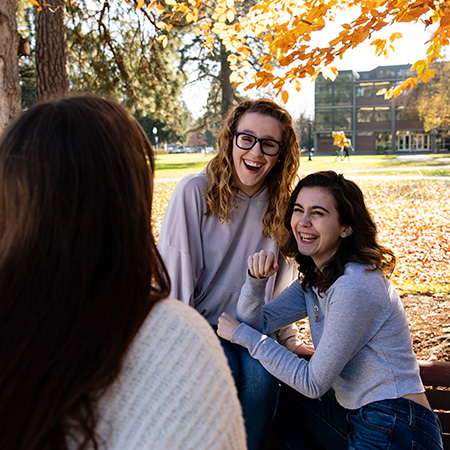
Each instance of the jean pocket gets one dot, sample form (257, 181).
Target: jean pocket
(376, 418)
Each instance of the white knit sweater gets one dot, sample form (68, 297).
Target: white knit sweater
(175, 390)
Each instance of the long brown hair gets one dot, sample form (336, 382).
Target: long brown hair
(221, 191)
(361, 246)
(79, 269)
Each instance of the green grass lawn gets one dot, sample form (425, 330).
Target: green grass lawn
(182, 164)
(413, 213)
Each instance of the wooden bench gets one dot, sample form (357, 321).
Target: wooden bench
(435, 375)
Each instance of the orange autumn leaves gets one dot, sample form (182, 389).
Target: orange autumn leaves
(413, 217)
(287, 31)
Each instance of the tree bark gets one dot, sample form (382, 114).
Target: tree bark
(9, 69)
(227, 88)
(52, 76)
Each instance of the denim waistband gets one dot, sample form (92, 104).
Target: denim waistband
(408, 409)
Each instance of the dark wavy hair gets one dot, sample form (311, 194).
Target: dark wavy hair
(79, 269)
(361, 246)
(221, 190)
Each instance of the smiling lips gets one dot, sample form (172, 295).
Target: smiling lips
(307, 237)
(252, 166)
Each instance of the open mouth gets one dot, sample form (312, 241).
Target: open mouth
(252, 166)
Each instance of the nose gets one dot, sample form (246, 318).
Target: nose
(304, 220)
(256, 149)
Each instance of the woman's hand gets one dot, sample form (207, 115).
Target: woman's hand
(304, 350)
(226, 326)
(262, 264)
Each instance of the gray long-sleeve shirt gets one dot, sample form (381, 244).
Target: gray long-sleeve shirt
(362, 339)
(206, 258)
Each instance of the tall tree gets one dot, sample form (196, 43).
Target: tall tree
(114, 51)
(432, 100)
(52, 76)
(9, 71)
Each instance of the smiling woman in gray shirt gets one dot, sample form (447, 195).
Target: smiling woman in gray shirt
(216, 218)
(361, 388)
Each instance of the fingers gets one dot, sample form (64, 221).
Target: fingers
(262, 264)
(226, 326)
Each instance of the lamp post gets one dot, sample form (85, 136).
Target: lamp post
(155, 132)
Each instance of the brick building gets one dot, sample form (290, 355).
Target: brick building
(374, 124)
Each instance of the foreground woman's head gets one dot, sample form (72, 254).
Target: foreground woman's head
(79, 270)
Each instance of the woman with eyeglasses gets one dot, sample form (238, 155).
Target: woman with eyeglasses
(216, 218)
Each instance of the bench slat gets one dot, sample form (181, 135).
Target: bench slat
(435, 373)
(439, 399)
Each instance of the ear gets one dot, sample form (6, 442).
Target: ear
(346, 232)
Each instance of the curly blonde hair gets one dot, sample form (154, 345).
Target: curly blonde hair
(221, 191)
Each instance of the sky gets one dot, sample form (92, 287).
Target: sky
(407, 50)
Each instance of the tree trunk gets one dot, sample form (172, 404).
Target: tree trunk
(9, 69)
(227, 89)
(52, 76)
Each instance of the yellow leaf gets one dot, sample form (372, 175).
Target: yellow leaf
(398, 90)
(197, 31)
(388, 94)
(381, 92)
(234, 77)
(33, 2)
(205, 26)
(161, 25)
(162, 40)
(140, 4)
(427, 74)
(285, 96)
(189, 17)
(230, 15)
(170, 2)
(160, 8)
(395, 36)
(329, 72)
(298, 85)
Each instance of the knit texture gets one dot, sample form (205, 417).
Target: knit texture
(175, 390)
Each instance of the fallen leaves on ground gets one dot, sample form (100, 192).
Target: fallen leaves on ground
(413, 218)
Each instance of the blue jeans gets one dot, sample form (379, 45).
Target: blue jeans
(396, 424)
(257, 390)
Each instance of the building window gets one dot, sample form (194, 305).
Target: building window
(324, 119)
(364, 90)
(383, 114)
(343, 94)
(404, 114)
(324, 94)
(342, 119)
(364, 115)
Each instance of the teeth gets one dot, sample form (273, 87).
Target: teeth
(308, 237)
(255, 165)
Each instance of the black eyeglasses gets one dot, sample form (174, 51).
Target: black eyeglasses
(269, 147)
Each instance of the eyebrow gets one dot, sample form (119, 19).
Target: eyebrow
(313, 207)
(252, 133)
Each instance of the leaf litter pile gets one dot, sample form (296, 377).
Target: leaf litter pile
(413, 218)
